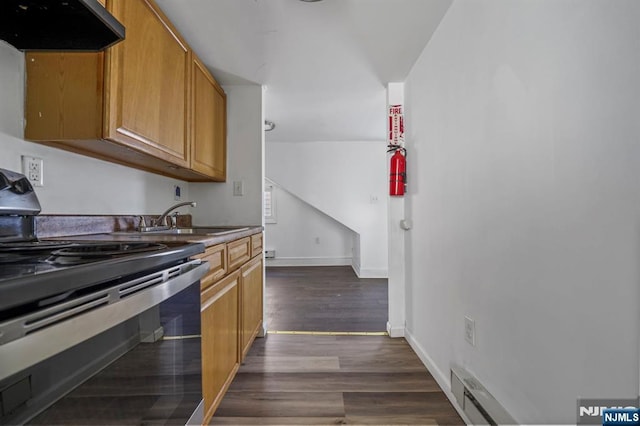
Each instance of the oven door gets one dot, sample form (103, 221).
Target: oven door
(52, 331)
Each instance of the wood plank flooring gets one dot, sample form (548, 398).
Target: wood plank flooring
(324, 298)
(324, 380)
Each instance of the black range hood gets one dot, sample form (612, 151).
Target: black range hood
(58, 25)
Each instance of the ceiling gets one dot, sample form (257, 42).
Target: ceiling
(325, 65)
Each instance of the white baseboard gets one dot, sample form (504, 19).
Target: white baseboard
(444, 380)
(395, 331)
(309, 261)
(371, 273)
(356, 268)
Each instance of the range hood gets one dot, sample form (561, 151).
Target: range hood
(58, 25)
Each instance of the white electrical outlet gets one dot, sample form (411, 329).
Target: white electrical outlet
(32, 168)
(470, 331)
(177, 192)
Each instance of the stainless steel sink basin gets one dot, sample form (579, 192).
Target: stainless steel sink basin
(201, 231)
(197, 230)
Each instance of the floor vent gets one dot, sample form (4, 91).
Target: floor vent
(476, 402)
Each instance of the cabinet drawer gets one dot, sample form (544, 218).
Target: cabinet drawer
(256, 244)
(238, 252)
(217, 258)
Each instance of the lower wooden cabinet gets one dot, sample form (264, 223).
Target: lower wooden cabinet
(250, 303)
(231, 315)
(220, 336)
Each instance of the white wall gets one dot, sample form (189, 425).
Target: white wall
(216, 203)
(339, 178)
(305, 236)
(396, 237)
(73, 183)
(524, 137)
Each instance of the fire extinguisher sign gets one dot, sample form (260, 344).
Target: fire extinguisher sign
(396, 125)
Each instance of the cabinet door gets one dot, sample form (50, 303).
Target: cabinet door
(250, 302)
(209, 147)
(220, 352)
(147, 82)
(64, 97)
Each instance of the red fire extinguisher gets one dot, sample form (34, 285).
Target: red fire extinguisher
(398, 171)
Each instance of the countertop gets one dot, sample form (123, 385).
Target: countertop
(207, 240)
(121, 228)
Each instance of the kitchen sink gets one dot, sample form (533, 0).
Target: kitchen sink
(197, 230)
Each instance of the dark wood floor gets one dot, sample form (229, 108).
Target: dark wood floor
(324, 298)
(324, 380)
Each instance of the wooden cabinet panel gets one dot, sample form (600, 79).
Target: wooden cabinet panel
(217, 258)
(64, 95)
(220, 352)
(131, 104)
(231, 313)
(209, 154)
(220, 130)
(238, 252)
(147, 80)
(251, 303)
(256, 244)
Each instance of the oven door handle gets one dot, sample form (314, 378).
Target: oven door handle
(39, 345)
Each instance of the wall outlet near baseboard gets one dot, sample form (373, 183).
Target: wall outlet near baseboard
(470, 331)
(270, 254)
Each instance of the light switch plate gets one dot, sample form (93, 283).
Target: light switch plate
(470, 331)
(238, 188)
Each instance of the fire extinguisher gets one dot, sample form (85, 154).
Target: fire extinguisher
(398, 171)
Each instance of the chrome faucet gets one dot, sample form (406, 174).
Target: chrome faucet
(158, 222)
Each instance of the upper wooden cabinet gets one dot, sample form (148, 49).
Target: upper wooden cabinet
(209, 120)
(141, 103)
(147, 82)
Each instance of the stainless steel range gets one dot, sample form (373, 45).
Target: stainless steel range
(57, 294)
